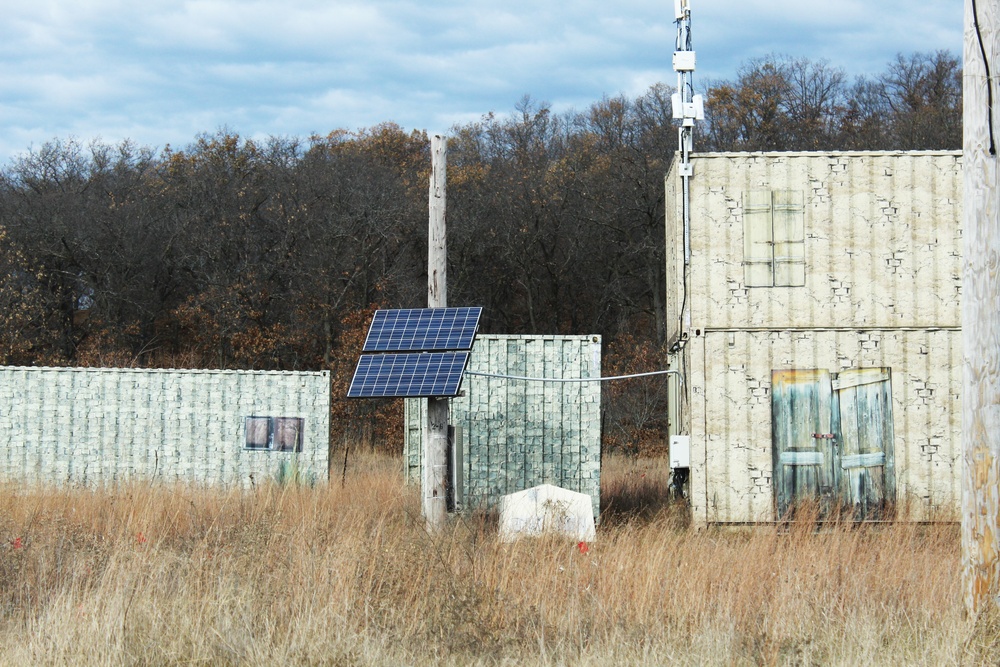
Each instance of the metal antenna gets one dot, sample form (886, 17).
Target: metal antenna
(687, 108)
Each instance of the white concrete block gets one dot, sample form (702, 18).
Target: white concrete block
(547, 509)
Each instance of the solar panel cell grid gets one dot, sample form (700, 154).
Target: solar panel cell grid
(423, 329)
(408, 375)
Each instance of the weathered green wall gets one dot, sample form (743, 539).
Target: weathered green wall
(517, 434)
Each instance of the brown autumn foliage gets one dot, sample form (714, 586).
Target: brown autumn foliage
(635, 410)
(23, 309)
(375, 424)
(781, 103)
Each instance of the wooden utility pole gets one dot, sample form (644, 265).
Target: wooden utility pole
(435, 472)
(980, 309)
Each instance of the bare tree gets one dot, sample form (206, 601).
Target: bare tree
(923, 91)
(814, 103)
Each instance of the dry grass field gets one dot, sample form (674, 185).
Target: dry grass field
(345, 574)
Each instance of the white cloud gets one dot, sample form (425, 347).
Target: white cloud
(164, 70)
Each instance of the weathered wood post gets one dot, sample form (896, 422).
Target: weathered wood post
(980, 311)
(435, 472)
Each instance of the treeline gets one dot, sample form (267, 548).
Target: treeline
(783, 103)
(236, 253)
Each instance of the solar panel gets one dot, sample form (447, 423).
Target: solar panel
(423, 329)
(411, 375)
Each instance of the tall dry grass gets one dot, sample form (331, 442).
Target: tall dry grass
(345, 574)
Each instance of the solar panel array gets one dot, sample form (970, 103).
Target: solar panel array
(422, 329)
(422, 352)
(408, 375)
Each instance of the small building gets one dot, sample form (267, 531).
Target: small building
(110, 425)
(817, 326)
(514, 434)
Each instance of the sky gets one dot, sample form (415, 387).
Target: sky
(161, 72)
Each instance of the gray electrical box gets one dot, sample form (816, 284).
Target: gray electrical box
(456, 469)
(680, 451)
(684, 61)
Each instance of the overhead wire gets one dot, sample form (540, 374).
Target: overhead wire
(608, 378)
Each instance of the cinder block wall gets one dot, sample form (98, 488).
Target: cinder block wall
(95, 425)
(517, 434)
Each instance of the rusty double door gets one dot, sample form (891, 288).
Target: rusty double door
(832, 439)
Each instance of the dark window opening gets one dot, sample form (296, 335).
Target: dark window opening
(279, 434)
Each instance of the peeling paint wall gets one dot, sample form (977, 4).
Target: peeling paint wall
(882, 245)
(97, 425)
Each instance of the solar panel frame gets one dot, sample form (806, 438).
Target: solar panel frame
(409, 375)
(423, 329)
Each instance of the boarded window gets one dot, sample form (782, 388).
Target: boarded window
(280, 434)
(773, 238)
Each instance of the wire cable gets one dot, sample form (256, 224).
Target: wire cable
(989, 85)
(597, 379)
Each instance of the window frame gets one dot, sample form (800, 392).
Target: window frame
(761, 209)
(277, 429)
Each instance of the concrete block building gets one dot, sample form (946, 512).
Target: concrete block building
(817, 325)
(514, 434)
(102, 425)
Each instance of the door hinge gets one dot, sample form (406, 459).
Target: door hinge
(823, 436)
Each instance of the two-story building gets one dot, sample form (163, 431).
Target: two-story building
(817, 326)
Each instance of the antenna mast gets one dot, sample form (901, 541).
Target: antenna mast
(687, 108)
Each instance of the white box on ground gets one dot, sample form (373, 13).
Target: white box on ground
(547, 509)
